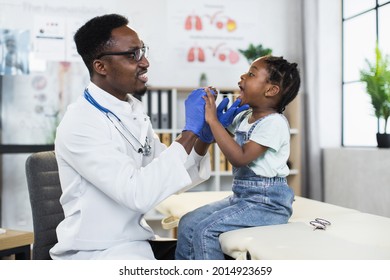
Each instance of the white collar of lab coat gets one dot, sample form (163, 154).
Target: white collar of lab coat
(132, 106)
(110, 102)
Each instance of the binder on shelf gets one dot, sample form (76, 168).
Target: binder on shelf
(164, 111)
(154, 109)
(166, 138)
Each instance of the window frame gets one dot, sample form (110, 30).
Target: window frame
(377, 9)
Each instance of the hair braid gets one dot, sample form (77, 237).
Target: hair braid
(286, 76)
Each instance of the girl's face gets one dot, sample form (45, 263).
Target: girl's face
(254, 84)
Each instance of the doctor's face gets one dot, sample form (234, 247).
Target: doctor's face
(125, 64)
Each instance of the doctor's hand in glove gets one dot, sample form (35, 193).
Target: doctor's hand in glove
(225, 117)
(195, 110)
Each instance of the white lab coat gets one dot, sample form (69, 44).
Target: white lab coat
(107, 186)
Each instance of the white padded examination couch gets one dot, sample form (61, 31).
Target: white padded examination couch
(351, 235)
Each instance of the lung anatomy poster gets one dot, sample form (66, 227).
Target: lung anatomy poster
(210, 33)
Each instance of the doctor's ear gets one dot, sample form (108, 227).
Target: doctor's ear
(99, 67)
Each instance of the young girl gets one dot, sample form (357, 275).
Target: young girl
(259, 155)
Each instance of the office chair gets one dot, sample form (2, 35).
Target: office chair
(45, 190)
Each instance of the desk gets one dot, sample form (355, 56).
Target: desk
(17, 243)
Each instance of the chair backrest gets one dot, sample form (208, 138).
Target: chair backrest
(45, 190)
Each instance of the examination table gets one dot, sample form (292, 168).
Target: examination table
(351, 234)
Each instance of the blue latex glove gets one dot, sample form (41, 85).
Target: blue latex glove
(195, 111)
(206, 135)
(225, 118)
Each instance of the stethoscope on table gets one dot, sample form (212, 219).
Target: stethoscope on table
(145, 149)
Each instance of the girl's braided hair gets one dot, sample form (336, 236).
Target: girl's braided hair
(286, 76)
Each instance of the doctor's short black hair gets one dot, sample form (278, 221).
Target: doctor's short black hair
(95, 36)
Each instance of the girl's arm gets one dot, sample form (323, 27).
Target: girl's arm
(236, 155)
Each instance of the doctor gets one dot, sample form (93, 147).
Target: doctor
(113, 169)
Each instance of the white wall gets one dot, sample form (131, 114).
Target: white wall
(330, 73)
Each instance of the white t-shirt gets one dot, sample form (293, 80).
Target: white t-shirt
(272, 131)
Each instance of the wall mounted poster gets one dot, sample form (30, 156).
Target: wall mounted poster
(53, 38)
(203, 38)
(14, 51)
(209, 33)
(32, 105)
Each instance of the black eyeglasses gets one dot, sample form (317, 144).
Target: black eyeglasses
(136, 54)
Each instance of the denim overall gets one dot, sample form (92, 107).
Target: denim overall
(256, 201)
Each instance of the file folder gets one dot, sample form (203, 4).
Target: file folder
(154, 110)
(165, 121)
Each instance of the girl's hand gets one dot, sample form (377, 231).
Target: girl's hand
(210, 107)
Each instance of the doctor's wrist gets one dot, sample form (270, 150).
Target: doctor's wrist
(187, 139)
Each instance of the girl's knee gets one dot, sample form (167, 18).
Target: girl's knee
(185, 225)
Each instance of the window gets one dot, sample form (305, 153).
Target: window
(364, 23)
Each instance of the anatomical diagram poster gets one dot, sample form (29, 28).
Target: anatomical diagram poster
(211, 32)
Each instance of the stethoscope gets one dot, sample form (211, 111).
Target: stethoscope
(145, 149)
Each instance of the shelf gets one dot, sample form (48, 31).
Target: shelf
(221, 175)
